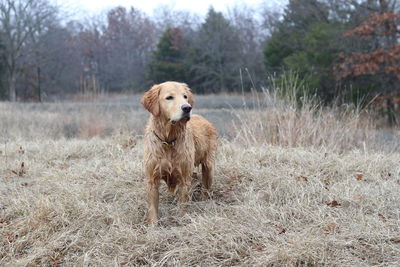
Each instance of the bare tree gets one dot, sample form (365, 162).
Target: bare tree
(251, 32)
(21, 22)
(165, 16)
(59, 62)
(271, 14)
(129, 38)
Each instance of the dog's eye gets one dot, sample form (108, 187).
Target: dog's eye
(185, 96)
(169, 97)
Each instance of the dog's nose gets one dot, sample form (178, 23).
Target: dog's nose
(186, 108)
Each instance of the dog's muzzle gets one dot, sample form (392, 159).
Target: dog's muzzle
(186, 113)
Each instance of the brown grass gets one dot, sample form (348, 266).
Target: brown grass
(287, 196)
(333, 128)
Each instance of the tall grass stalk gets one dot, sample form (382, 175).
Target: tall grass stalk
(292, 117)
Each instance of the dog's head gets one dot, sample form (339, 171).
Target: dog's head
(171, 100)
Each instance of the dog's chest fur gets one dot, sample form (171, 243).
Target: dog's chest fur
(170, 163)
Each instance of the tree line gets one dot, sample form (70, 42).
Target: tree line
(339, 49)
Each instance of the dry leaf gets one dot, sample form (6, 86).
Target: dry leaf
(360, 177)
(301, 178)
(383, 218)
(19, 172)
(22, 171)
(333, 203)
(395, 240)
(331, 228)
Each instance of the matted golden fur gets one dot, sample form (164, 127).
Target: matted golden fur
(175, 142)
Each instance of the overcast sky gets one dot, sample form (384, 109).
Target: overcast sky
(92, 7)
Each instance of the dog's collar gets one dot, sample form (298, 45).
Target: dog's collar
(167, 143)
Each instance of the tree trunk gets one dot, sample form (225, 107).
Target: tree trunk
(39, 85)
(12, 87)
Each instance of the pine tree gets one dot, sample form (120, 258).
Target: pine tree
(168, 59)
(217, 57)
(306, 41)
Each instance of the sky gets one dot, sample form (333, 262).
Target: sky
(81, 8)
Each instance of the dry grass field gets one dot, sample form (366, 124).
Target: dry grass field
(293, 187)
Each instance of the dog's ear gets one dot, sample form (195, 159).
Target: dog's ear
(190, 95)
(150, 100)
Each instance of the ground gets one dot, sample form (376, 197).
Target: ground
(80, 200)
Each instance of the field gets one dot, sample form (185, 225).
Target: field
(294, 187)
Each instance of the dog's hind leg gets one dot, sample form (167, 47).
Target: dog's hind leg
(207, 177)
(184, 191)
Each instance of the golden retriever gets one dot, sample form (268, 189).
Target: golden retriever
(175, 142)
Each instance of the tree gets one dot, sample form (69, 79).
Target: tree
(165, 16)
(93, 57)
(129, 38)
(380, 54)
(60, 60)
(21, 22)
(374, 68)
(251, 34)
(168, 62)
(216, 57)
(314, 62)
(289, 34)
(2, 91)
(306, 41)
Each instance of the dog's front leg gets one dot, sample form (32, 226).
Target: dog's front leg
(185, 183)
(183, 198)
(152, 197)
(184, 192)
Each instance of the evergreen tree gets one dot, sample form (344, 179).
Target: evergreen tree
(217, 57)
(168, 61)
(307, 42)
